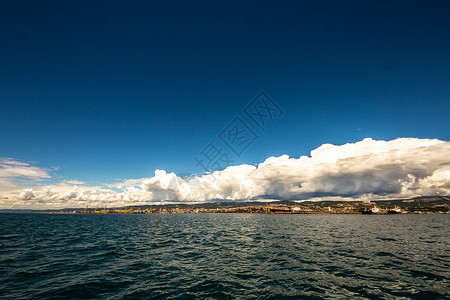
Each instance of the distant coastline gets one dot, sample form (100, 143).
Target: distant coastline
(418, 205)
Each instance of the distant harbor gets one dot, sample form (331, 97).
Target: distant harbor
(420, 205)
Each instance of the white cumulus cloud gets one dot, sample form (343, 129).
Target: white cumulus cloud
(368, 169)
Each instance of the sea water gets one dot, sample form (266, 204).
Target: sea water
(224, 256)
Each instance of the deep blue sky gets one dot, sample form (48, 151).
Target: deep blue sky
(107, 89)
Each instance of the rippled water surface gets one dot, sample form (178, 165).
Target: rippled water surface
(225, 256)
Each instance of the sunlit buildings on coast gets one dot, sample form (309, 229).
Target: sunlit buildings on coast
(440, 205)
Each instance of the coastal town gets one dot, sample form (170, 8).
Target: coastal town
(421, 205)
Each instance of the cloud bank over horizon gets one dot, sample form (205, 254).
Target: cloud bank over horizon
(368, 170)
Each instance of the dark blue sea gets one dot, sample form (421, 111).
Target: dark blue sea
(224, 256)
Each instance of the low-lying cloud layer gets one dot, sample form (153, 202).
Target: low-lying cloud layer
(369, 169)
